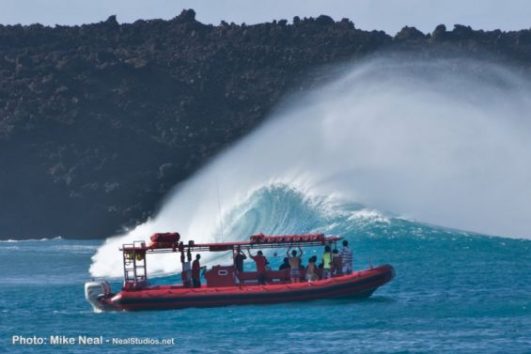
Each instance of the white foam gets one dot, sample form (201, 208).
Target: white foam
(33, 239)
(369, 215)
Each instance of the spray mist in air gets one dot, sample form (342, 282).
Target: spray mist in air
(443, 142)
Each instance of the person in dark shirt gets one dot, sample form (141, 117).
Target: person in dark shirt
(261, 263)
(284, 265)
(196, 272)
(238, 259)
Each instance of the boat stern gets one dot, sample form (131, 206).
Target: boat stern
(97, 292)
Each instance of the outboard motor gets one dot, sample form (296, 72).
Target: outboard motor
(95, 291)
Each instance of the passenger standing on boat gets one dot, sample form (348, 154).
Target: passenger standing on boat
(187, 271)
(285, 264)
(188, 266)
(196, 272)
(346, 258)
(187, 275)
(261, 263)
(285, 268)
(337, 264)
(238, 259)
(294, 265)
(311, 269)
(327, 262)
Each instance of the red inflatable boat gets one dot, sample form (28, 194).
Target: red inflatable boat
(224, 284)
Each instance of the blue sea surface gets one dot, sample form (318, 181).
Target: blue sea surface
(453, 292)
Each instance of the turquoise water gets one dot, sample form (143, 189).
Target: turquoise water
(453, 292)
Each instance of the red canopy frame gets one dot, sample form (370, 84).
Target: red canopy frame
(255, 241)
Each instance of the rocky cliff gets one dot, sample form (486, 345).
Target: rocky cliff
(98, 122)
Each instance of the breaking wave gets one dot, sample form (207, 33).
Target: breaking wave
(443, 142)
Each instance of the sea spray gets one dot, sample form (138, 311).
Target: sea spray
(445, 142)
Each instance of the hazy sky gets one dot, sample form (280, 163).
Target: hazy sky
(387, 15)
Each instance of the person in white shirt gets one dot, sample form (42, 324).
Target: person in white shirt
(346, 258)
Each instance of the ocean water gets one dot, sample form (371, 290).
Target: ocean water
(454, 292)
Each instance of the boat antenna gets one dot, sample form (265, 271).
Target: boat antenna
(219, 211)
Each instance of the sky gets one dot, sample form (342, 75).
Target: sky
(387, 15)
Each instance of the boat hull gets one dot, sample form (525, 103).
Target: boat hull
(359, 284)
